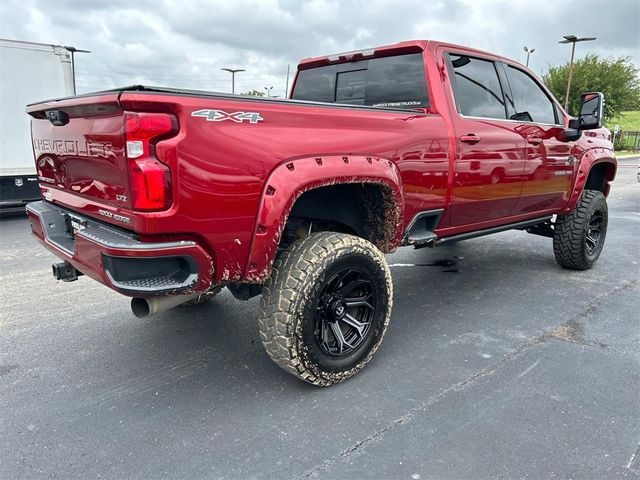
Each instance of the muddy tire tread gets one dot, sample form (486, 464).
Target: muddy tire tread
(569, 231)
(286, 287)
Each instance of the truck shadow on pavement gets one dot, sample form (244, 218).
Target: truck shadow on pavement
(215, 347)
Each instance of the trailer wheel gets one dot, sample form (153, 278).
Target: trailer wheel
(578, 237)
(326, 307)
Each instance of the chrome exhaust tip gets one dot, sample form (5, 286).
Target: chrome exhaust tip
(145, 307)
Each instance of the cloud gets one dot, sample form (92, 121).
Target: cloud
(186, 43)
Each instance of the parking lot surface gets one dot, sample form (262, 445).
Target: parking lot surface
(497, 364)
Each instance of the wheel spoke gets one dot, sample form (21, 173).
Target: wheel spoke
(333, 282)
(591, 241)
(351, 285)
(596, 221)
(340, 340)
(324, 332)
(357, 324)
(359, 301)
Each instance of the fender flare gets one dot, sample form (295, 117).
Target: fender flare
(591, 158)
(289, 180)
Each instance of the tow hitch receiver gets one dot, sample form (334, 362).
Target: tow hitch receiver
(65, 271)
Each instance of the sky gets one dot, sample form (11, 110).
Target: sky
(185, 43)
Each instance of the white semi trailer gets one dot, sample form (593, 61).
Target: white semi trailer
(29, 72)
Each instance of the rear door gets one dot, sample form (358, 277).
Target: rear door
(491, 151)
(548, 173)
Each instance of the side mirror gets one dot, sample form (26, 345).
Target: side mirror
(591, 109)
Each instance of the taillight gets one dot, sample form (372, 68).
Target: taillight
(150, 178)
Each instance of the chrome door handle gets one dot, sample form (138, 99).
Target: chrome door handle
(534, 140)
(470, 138)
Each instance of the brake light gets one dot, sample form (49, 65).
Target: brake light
(150, 178)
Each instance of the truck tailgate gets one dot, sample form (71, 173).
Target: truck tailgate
(79, 148)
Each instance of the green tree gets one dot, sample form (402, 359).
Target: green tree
(617, 78)
(253, 93)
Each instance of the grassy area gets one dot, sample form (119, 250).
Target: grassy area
(628, 121)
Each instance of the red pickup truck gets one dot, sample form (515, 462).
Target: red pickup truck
(167, 196)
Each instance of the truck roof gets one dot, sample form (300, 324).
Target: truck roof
(409, 46)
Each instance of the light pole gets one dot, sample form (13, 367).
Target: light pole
(529, 52)
(268, 89)
(73, 50)
(233, 72)
(572, 39)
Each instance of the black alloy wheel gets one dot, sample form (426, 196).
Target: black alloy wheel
(594, 232)
(345, 311)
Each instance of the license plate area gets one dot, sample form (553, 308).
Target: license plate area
(73, 225)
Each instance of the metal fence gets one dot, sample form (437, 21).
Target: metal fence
(627, 141)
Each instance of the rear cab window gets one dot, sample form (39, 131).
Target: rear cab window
(389, 82)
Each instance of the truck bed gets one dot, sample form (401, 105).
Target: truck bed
(218, 95)
(219, 169)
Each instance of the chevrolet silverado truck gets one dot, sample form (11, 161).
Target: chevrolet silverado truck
(168, 196)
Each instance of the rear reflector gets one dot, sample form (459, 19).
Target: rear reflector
(150, 184)
(150, 178)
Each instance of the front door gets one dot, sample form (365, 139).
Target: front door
(549, 169)
(491, 152)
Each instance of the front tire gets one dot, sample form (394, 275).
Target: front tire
(578, 237)
(326, 307)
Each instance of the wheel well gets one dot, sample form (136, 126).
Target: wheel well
(367, 210)
(598, 177)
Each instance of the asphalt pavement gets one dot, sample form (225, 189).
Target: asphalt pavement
(497, 364)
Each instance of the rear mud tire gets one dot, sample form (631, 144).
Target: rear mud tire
(579, 236)
(295, 303)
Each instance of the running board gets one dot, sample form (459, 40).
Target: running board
(419, 232)
(489, 231)
(422, 239)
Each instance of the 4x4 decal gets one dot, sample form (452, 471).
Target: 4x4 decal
(221, 115)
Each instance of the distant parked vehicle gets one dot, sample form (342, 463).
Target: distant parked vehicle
(30, 72)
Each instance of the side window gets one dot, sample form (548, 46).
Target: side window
(476, 87)
(559, 115)
(530, 101)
